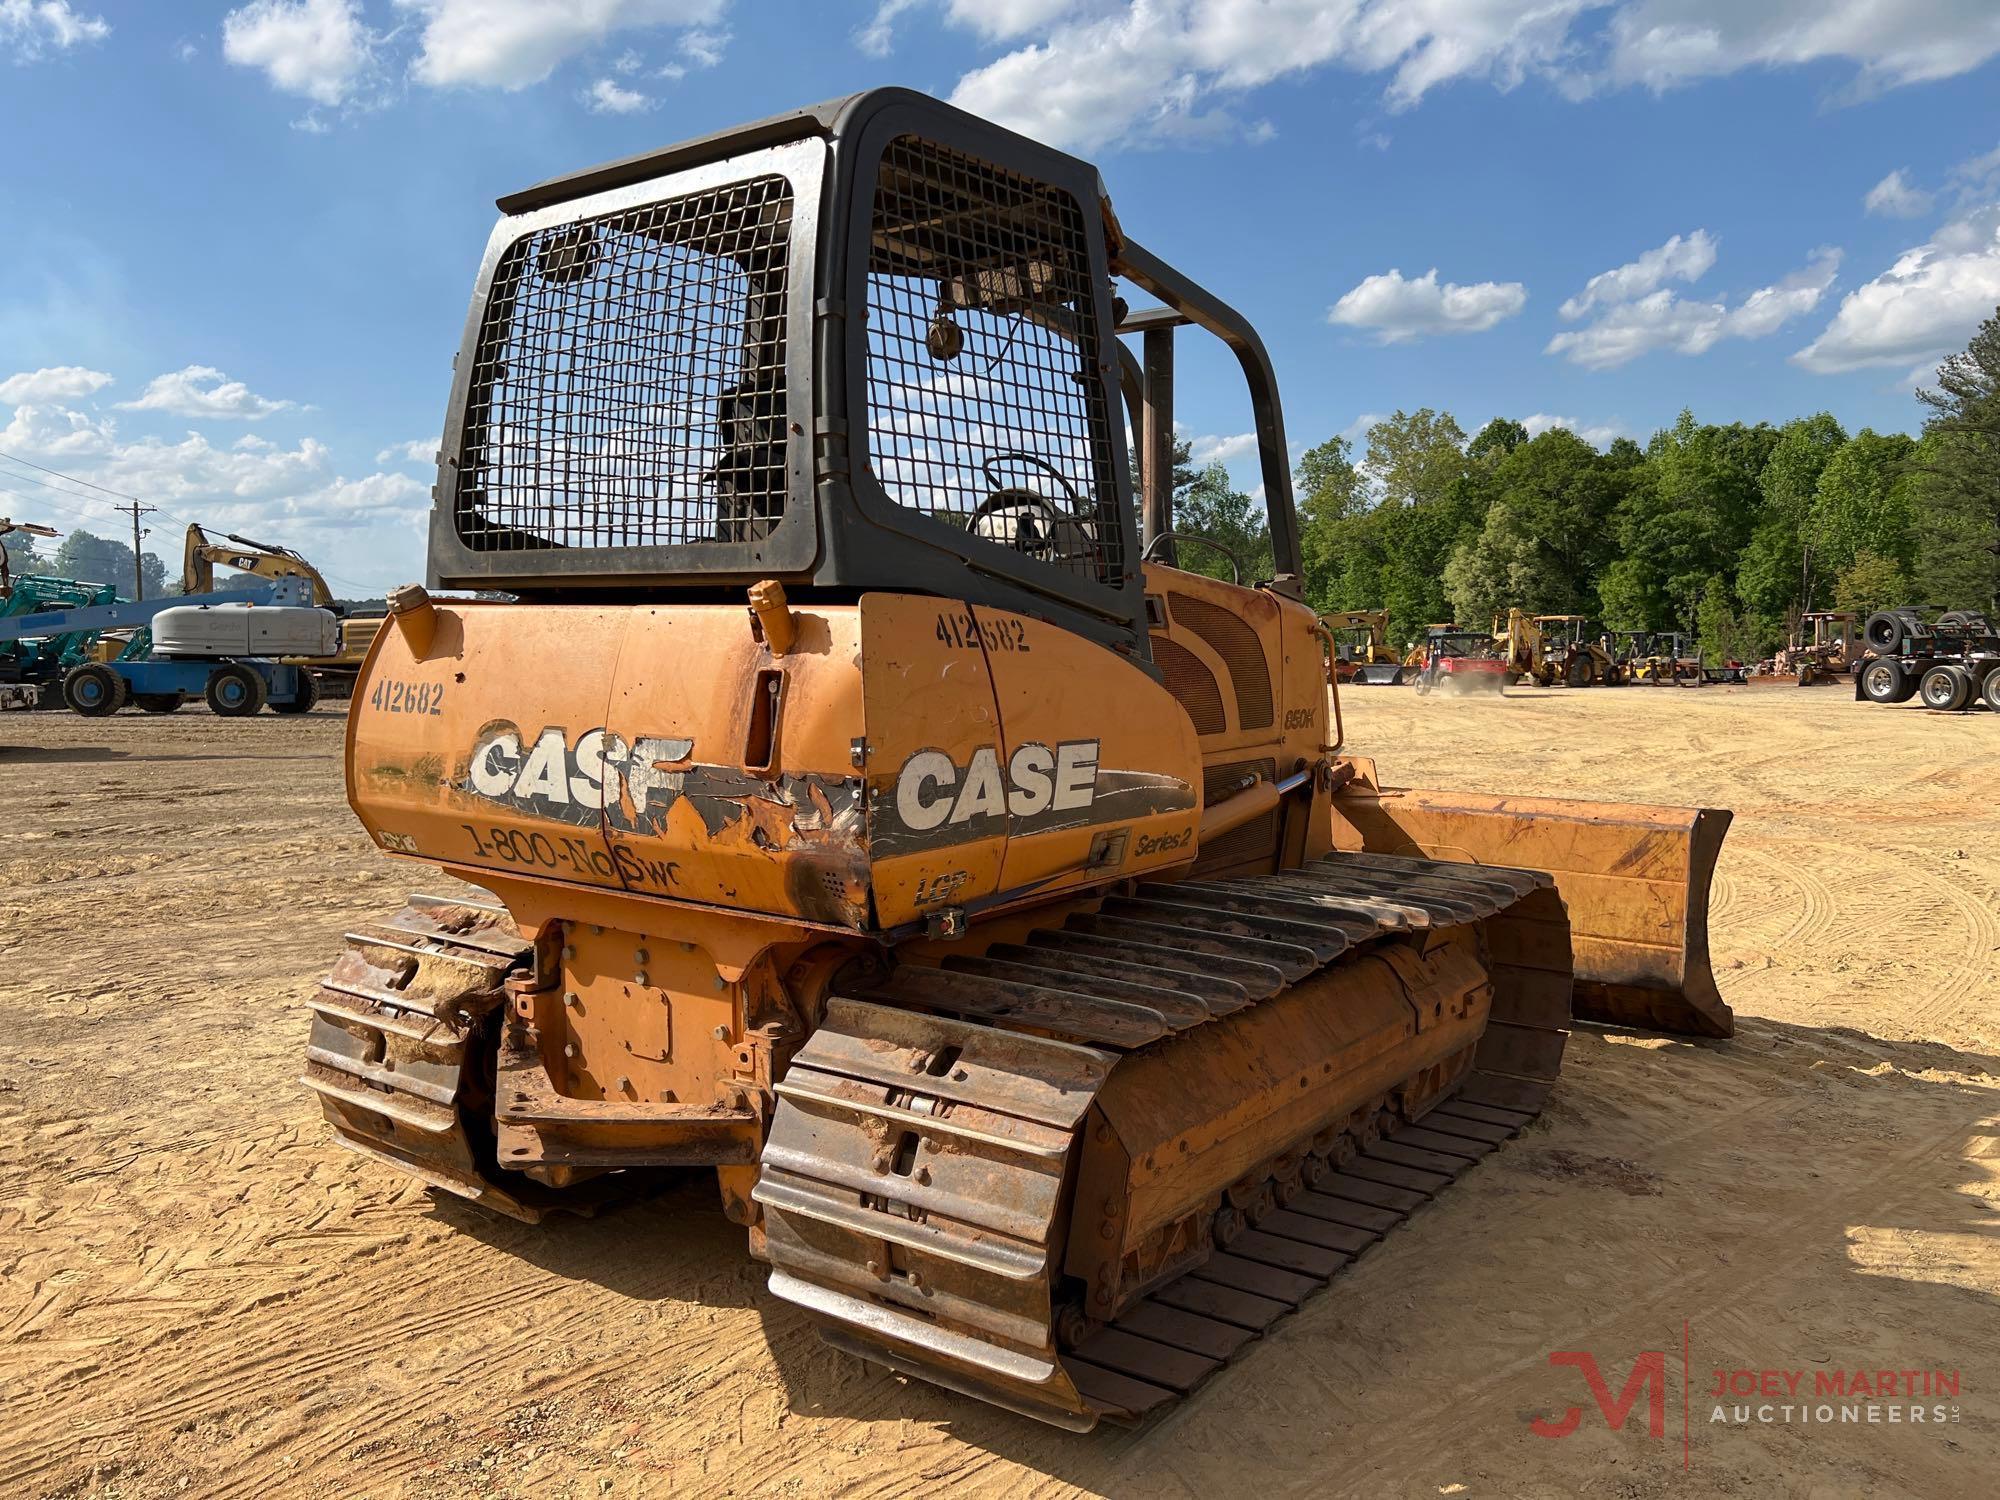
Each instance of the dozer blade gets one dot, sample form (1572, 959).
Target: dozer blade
(1635, 878)
(1379, 674)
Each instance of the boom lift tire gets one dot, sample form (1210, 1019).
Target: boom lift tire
(235, 692)
(94, 690)
(306, 698)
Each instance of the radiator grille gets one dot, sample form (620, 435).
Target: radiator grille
(1218, 782)
(1237, 644)
(628, 388)
(1192, 683)
(1256, 839)
(986, 408)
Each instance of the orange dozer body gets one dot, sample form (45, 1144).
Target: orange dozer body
(998, 916)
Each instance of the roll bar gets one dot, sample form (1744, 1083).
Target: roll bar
(1189, 303)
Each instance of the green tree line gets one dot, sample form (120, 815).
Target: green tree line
(90, 558)
(1728, 533)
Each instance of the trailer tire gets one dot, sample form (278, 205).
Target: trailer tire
(159, 703)
(1690, 676)
(94, 690)
(235, 692)
(1946, 688)
(1884, 630)
(306, 698)
(1883, 680)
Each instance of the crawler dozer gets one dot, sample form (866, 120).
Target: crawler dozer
(856, 814)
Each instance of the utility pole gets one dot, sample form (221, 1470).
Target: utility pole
(136, 510)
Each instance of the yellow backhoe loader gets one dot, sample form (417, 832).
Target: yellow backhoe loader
(1573, 657)
(1361, 651)
(865, 818)
(202, 554)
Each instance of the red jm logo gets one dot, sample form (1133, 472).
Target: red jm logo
(1649, 1373)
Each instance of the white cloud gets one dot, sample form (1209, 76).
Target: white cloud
(1895, 197)
(1977, 178)
(512, 44)
(204, 391)
(1089, 73)
(1682, 258)
(1395, 309)
(609, 97)
(55, 430)
(1598, 435)
(1204, 451)
(55, 383)
(349, 503)
(1662, 43)
(29, 27)
(1625, 329)
(1356, 432)
(1923, 307)
(415, 451)
(704, 48)
(318, 49)
(195, 470)
(365, 531)
(1770, 308)
(878, 37)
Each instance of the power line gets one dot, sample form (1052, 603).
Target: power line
(70, 477)
(87, 500)
(43, 500)
(122, 509)
(53, 489)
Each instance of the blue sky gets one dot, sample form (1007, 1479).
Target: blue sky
(239, 239)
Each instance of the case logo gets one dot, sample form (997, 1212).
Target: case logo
(933, 791)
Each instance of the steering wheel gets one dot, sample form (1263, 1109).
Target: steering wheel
(1027, 537)
(1235, 563)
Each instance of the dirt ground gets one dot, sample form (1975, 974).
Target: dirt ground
(200, 1294)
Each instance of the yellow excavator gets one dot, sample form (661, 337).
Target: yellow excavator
(865, 813)
(201, 554)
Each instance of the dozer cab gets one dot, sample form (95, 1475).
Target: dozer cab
(859, 817)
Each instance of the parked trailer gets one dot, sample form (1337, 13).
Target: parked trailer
(1949, 663)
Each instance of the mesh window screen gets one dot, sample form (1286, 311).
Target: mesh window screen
(985, 406)
(629, 386)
